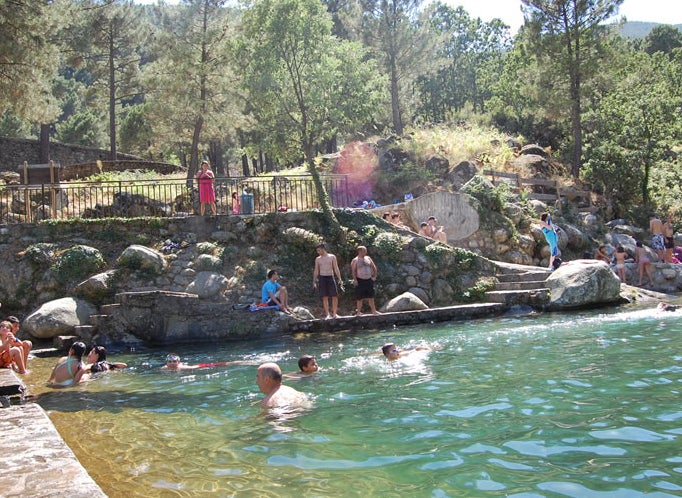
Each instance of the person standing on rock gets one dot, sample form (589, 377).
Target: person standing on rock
(657, 239)
(364, 275)
(550, 236)
(326, 267)
(669, 234)
(643, 263)
(206, 178)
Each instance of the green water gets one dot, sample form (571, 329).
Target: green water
(579, 405)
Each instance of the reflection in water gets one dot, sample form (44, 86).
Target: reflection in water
(575, 405)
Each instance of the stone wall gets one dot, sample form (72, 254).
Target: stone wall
(14, 151)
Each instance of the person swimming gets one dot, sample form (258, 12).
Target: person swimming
(97, 357)
(69, 369)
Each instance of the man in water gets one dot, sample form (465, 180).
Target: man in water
(326, 267)
(392, 353)
(308, 366)
(174, 364)
(277, 395)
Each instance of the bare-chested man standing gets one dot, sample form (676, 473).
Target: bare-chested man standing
(657, 238)
(325, 269)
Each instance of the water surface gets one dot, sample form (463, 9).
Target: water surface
(579, 405)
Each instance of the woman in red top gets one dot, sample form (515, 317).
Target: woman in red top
(206, 192)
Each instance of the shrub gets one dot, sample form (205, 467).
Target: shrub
(389, 245)
(77, 263)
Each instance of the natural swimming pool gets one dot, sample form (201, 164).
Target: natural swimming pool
(580, 405)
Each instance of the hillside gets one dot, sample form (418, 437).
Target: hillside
(639, 29)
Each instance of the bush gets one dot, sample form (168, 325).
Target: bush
(77, 263)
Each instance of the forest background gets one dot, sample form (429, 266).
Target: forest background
(267, 85)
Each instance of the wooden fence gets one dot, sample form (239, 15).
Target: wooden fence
(539, 189)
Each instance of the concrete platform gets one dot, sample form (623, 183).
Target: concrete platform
(36, 460)
(387, 320)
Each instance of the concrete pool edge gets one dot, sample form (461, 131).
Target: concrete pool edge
(36, 460)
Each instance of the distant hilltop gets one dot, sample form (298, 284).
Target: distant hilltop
(639, 29)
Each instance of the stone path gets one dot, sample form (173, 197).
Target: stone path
(36, 461)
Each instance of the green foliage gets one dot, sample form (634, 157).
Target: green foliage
(389, 246)
(490, 197)
(77, 263)
(12, 126)
(302, 239)
(440, 256)
(476, 293)
(41, 254)
(666, 189)
(631, 129)
(84, 128)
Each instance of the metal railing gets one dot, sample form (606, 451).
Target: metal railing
(163, 197)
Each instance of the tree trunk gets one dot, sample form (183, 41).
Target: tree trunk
(194, 152)
(44, 143)
(112, 98)
(323, 197)
(395, 99)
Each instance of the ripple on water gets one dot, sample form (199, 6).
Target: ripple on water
(631, 434)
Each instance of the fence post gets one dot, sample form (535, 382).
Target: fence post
(53, 192)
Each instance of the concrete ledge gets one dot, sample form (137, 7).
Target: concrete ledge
(36, 461)
(10, 384)
(368, 321)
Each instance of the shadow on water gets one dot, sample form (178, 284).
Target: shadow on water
(117, 401)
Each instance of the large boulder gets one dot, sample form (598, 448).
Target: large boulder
(136, 257)
(58, 317)
(404, 302)
(207, 284)
(583, 283)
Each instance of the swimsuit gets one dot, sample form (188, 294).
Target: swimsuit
(67, 382)
(552, 240)
(5, 360)
(658, 242)
(327, 286)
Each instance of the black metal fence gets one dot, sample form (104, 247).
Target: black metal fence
(164, 197)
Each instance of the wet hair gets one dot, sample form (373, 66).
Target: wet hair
(387, 348)
(304, 361)
(395, 215)
(78, 349)
(321, 246)
(12, 319)
(423, 224)
(204, 162)
(101, 352)
(639, 244)
(271, 273)
(544, 216)
(100, 366)
(431, 218)
(386, 215)
(620, 249)
(234, 194)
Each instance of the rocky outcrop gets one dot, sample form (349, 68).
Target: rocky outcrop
(59, 317)
(404, 302)
(583, 283)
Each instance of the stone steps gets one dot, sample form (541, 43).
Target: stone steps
(520, 285)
